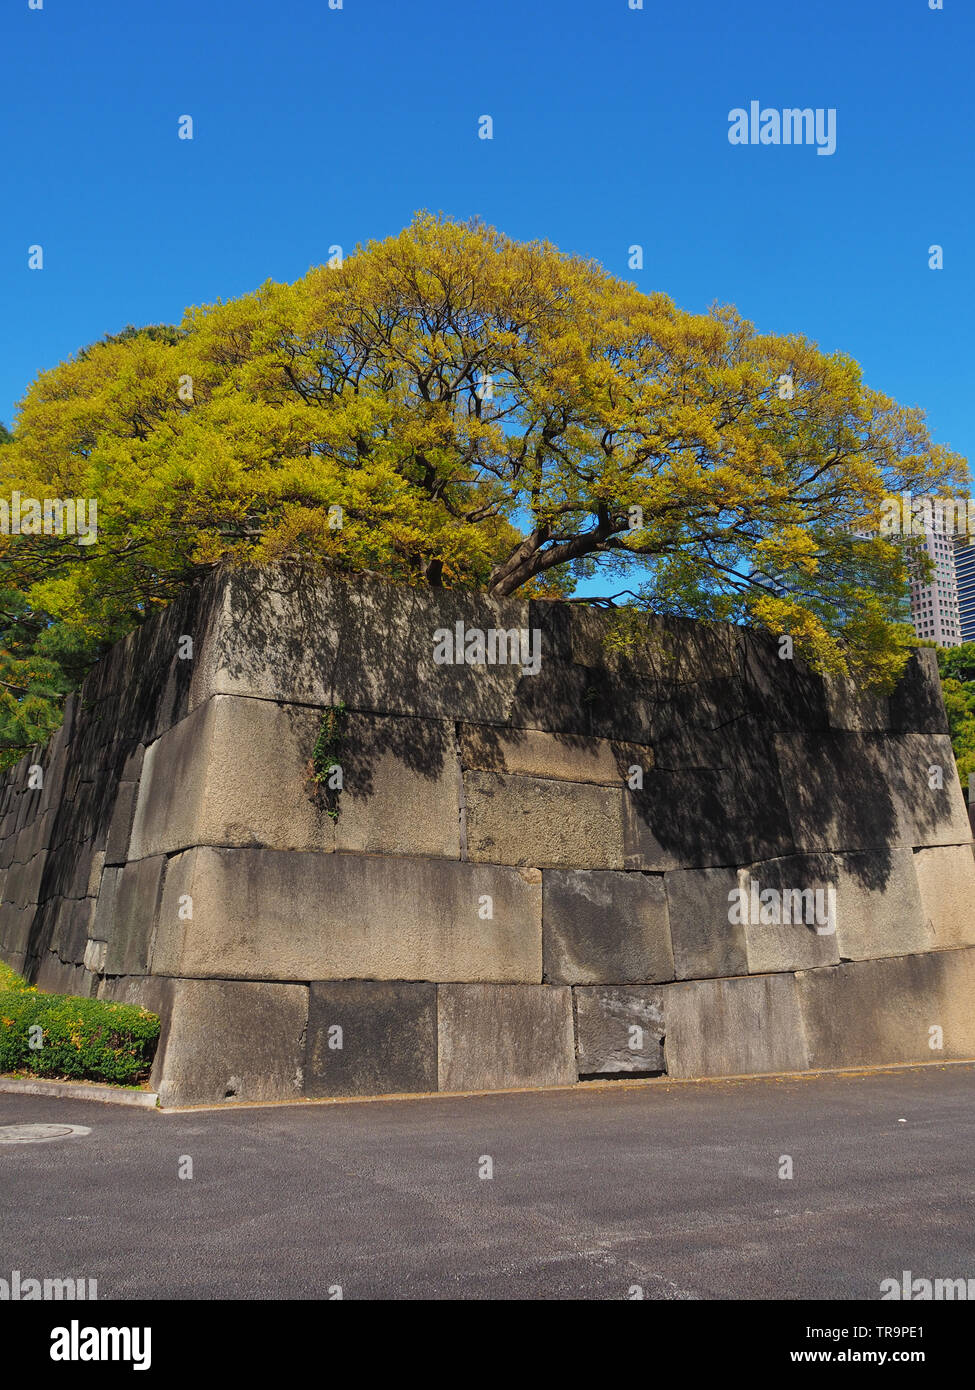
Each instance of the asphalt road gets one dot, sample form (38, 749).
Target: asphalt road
(672, 1187)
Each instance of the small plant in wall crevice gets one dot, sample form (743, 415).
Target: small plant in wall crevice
(325, 767)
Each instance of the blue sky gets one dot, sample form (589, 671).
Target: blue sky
(315, 126)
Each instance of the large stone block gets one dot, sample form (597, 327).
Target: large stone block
(850, 791)
(780, 690)
(670, 651)
(933, 806)
(917, 703)
(120, 828)
(74, 919)
(136, 903)
(706, 942)
(369, 1037)
(839, 790)
(56, 976)
(274, 914)
(734, 1027)
(706, 818)
(604, 927)
(619, 1028)
(534, 820)
(492, 1036)
(232, 1041)
(877, 1012)
(23, 884)
(853, 708)
(793, 926)
(300, 635)
(946, 879)
(878, 906)
(238, 772)
(565, 757)
(401, 787)
(103, 925)
(15, 929)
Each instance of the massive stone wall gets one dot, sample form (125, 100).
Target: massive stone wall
(528, 876)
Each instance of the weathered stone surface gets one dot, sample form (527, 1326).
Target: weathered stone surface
(23, 882)
(794, 928)
(874, 1012)
(130, 935)
(946, 879)
(604, 927)
(271, 914)
(95, 952)
(401, 787)
(533, 820)
(95, 873)
(783, 693)
(213, 778)
(619, 1028)
(851, 791)
(237, 772)
(55, 976)
(74, 919)
(387, 892)
(300, 635)
(34, 838)
(916, 705)
(713, 799)
(15, 925)
(565, 757)
(854, 709)
(931, 814)
(705, 941)
(103, 925)
(387, 1041)
(491, 1036)
(232, 1041)
(839, 791)
(120, 829)
(878, 906)
(672, 651)
(734, 1027)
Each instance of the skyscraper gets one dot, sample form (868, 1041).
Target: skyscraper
(934, 606)
(964, 557)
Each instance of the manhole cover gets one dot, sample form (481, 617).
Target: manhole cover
(38, 1134)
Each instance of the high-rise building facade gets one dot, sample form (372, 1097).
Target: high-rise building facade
(964, 556)
(934, 606)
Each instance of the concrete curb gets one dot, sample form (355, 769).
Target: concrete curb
(79, 1090)
(628, 1083)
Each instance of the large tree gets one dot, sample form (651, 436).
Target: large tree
(451, 407)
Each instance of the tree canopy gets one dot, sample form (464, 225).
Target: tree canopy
(455, 408)
(957, 667)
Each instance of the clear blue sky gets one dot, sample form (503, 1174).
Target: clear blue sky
(317, 126)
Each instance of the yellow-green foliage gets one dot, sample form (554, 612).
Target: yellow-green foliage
(11, 982)
(478, 412)
(84, 1039)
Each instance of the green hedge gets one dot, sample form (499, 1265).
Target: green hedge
(84, 1039)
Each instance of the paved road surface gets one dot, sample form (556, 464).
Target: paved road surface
(672, 1187)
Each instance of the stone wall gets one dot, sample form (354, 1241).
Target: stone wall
(526, 878)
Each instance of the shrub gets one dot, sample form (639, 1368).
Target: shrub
(85, 1039)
